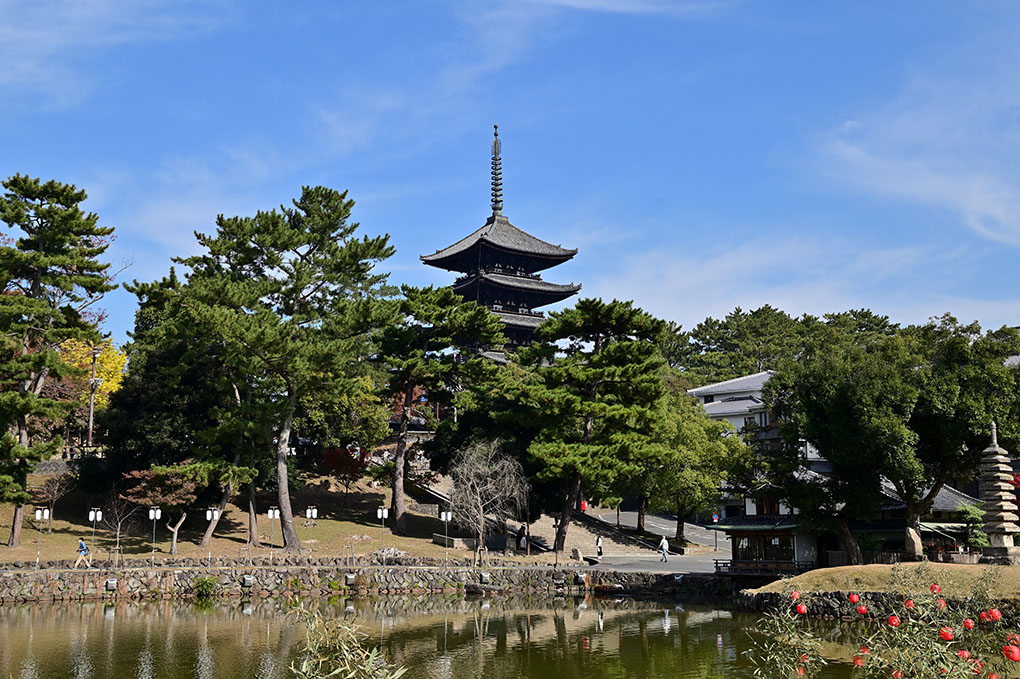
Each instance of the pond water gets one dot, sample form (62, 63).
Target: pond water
(435, 638)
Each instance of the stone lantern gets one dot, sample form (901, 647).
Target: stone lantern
(999, 504)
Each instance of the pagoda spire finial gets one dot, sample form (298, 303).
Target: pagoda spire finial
(497, 173)
(995, 435)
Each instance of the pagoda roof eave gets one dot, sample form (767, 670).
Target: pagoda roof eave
(499, 233)
(524, 284)
(520, 320)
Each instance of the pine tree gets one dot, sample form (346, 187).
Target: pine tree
(596, 393)
(295, 299)
(432, 350)
(50, 277)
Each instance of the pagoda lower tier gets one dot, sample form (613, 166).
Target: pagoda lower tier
(511, 292)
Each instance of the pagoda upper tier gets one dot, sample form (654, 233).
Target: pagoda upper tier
(500, 264)
(499, 243)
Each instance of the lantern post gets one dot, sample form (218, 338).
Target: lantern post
(95, 516)
(155, 514)
(274, 513)
(41, 514)
(445, 517)
(382, 513)
(211, 514)
(312, 513)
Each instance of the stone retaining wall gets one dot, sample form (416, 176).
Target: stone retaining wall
(263, 581)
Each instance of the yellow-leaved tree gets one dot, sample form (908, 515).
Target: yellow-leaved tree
(110, 363)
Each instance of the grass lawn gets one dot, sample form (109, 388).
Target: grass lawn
(339, 525)
(957, 580)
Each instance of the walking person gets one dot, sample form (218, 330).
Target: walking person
(83, 554)
(598, 546)
(664, 546)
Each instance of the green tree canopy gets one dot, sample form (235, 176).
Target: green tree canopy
(594, 390)
(433, 350)
(295, 299)
(50, 278)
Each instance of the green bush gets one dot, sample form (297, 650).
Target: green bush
(205, 586)
(333, 648)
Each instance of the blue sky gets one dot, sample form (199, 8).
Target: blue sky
(701, 155)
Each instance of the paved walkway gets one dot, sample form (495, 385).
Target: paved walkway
(689, 563)
(665, 524)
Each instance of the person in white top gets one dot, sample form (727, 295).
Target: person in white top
(598, 546)
(664, 546)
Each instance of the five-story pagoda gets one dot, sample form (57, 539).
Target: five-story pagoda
(500, 264)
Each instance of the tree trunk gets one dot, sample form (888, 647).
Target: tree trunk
(173, 532)
(573, 491)
(642, 509)
(912, 540)
(211, 528)
(853, 550)
(399, 460)
(253, 518)
(49, 522)
(291, 544)
(680, 516)
(19, 515)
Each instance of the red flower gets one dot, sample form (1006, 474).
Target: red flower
(963, 654)
(995, 614)
(1011, 652)
(968, 624)
(983, 617)
(794, 595)
(858, 661)
(854, 598)
(804, 657)
(800, 670)
(941, 603)
(801, 609)
(993, 675)
(862, 609)
(894, 621)
(946, 633)
(864, 650)
(897, 674)
(1013, 639)
(909, 603)
(935, 589)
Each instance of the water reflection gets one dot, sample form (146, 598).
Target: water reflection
(435, 638)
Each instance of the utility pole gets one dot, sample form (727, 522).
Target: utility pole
(93, 387)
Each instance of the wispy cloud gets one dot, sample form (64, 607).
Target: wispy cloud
(800, 276)
(43, 44)
(949, 140)
(672, 7)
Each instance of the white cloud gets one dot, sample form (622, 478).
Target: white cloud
(949, 140)
(43, 44)
(675, 7)
(799, 276)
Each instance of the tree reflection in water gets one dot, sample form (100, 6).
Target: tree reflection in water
(435, 637)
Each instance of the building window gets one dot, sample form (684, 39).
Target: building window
(779, 548)
(767, 506)
(767, 548)
(748, 549)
